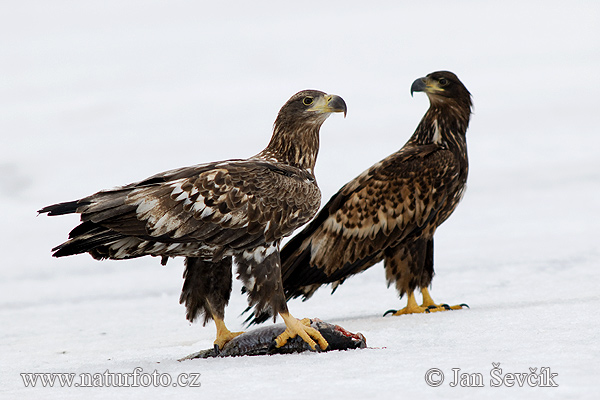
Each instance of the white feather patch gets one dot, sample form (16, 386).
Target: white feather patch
(124, 247)
(206, 212)
(146, 207)
(224, 218)
(270, 250)
(165, 224)
(177, 187)
(259, 254)
(437, 136)
(198, 205)
(172, 246)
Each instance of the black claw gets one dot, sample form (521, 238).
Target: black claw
(389, 312)
(431, 307)
(446, 306)
(427, 310)
(272, 347)
(464, 305)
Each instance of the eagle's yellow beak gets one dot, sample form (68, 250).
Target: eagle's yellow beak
(329, 103)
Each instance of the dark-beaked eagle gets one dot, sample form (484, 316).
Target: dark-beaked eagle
(210, 213)
(391, 211)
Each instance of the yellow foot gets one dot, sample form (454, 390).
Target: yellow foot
(432, 307)
(407, 310)
(428, 306)
(224, 335)
(302, 328)
(222, 340)
(411, 307)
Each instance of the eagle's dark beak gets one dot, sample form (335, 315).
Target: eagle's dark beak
(329, 104)
(418, 86)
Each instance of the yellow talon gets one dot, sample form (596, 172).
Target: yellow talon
(433, 307)
(224, 335)
(302, 328)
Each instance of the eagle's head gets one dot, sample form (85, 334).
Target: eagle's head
(295, 139)
(443, 87)
(310, 107)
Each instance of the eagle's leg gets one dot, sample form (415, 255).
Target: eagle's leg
(260, 271)
(206, 290)
(303, 329)
(427, 300)
(408, 266)
(433, 307)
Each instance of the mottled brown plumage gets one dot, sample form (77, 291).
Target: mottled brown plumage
(211, 213)
(391, 211)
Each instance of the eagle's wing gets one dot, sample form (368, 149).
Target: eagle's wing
(234, 204)
(392, 200)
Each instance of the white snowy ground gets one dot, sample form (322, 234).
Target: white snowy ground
(99, 94)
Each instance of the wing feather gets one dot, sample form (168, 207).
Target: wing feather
(236, 204)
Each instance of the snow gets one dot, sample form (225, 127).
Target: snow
(99, 94)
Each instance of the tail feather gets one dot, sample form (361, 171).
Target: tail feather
(85, 228)
(69, 207)
(85, 238)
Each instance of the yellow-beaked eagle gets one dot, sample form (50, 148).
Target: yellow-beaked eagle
(211, 213)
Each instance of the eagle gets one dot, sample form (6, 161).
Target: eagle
(215, 213)
(391, 211)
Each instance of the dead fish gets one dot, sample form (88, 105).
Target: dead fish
(261, 341)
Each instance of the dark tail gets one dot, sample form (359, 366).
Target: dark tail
(93, 237)
(87, 237)
(69, 207)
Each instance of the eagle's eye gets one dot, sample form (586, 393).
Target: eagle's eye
(443, 81)
(307, 101)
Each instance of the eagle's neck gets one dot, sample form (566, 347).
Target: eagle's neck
(444, 124)
(294, 144)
